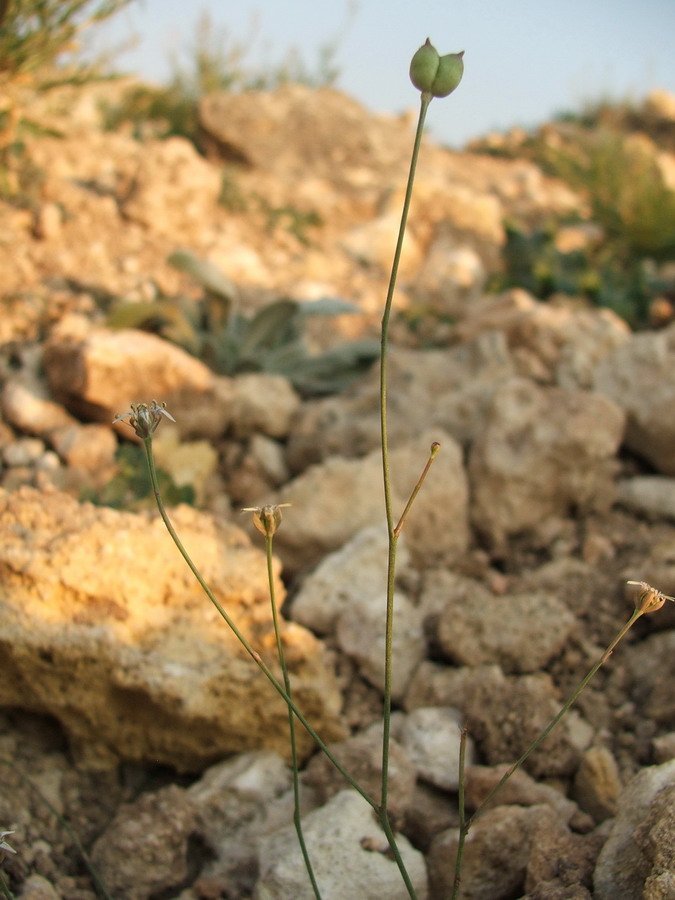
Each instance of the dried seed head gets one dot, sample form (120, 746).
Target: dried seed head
(647, 598)
(266, 518)
(4, 846)
(145, 417)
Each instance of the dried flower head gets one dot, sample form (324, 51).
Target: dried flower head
(145, 417)
(3, 843)
(647, 598)
(266, 518)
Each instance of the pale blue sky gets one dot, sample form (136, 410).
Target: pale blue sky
(525, 59)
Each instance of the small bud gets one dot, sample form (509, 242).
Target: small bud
(434, 74)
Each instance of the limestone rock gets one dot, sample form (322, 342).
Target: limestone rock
(102, 373)
(343, 578)
(504, 714)
(637, 377)
(542, 452)
(520, 632)
(361, 756)
(104, 627)
(631, 865)
(144, 850)
(431, 737)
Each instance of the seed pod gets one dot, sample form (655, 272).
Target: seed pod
(423, 66)
(434, 74)
(449, 75)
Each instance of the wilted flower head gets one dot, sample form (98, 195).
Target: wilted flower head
(647, 598)
(266, 518)
(145, 417)
(3, 843)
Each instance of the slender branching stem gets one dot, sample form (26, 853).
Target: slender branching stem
(255, 656)
(464, 829)
(297, 817)
(386, 471)
(435, 448)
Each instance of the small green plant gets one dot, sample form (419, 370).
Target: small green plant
(230, 342)
(129, 489)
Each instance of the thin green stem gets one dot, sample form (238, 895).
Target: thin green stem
(89, 865)
(297, 818)
(255, 656)
(542, 737)
(4, 887)
(386, 471)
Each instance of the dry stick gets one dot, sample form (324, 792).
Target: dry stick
(648, 600)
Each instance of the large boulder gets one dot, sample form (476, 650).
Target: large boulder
(103, 627)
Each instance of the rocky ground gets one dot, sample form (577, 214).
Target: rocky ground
(128, 708)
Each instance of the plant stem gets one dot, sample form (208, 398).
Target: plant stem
(255, 656)
(464, 829)
(4, 887)
(297, 818)
(386, 471)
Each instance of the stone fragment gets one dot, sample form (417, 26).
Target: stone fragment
(648, 495)
(361, 756)
(344, 578)
(631, 857)
(431, 738)
(520, 632)
(543, 452)
(144, 850)
(504, 715)
(597, 784)
(263, 403)
(637, 376)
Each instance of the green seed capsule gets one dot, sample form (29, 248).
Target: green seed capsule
(423, 66)
(449, 75)
(434, 74)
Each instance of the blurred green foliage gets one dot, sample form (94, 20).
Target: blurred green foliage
(605, 153)
(271, 340)
(130, 487)
(596, 274)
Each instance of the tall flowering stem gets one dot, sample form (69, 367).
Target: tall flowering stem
(434, 76)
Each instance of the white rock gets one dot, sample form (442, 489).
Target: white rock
(349, 854)
(431, 737)
(341, 581)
